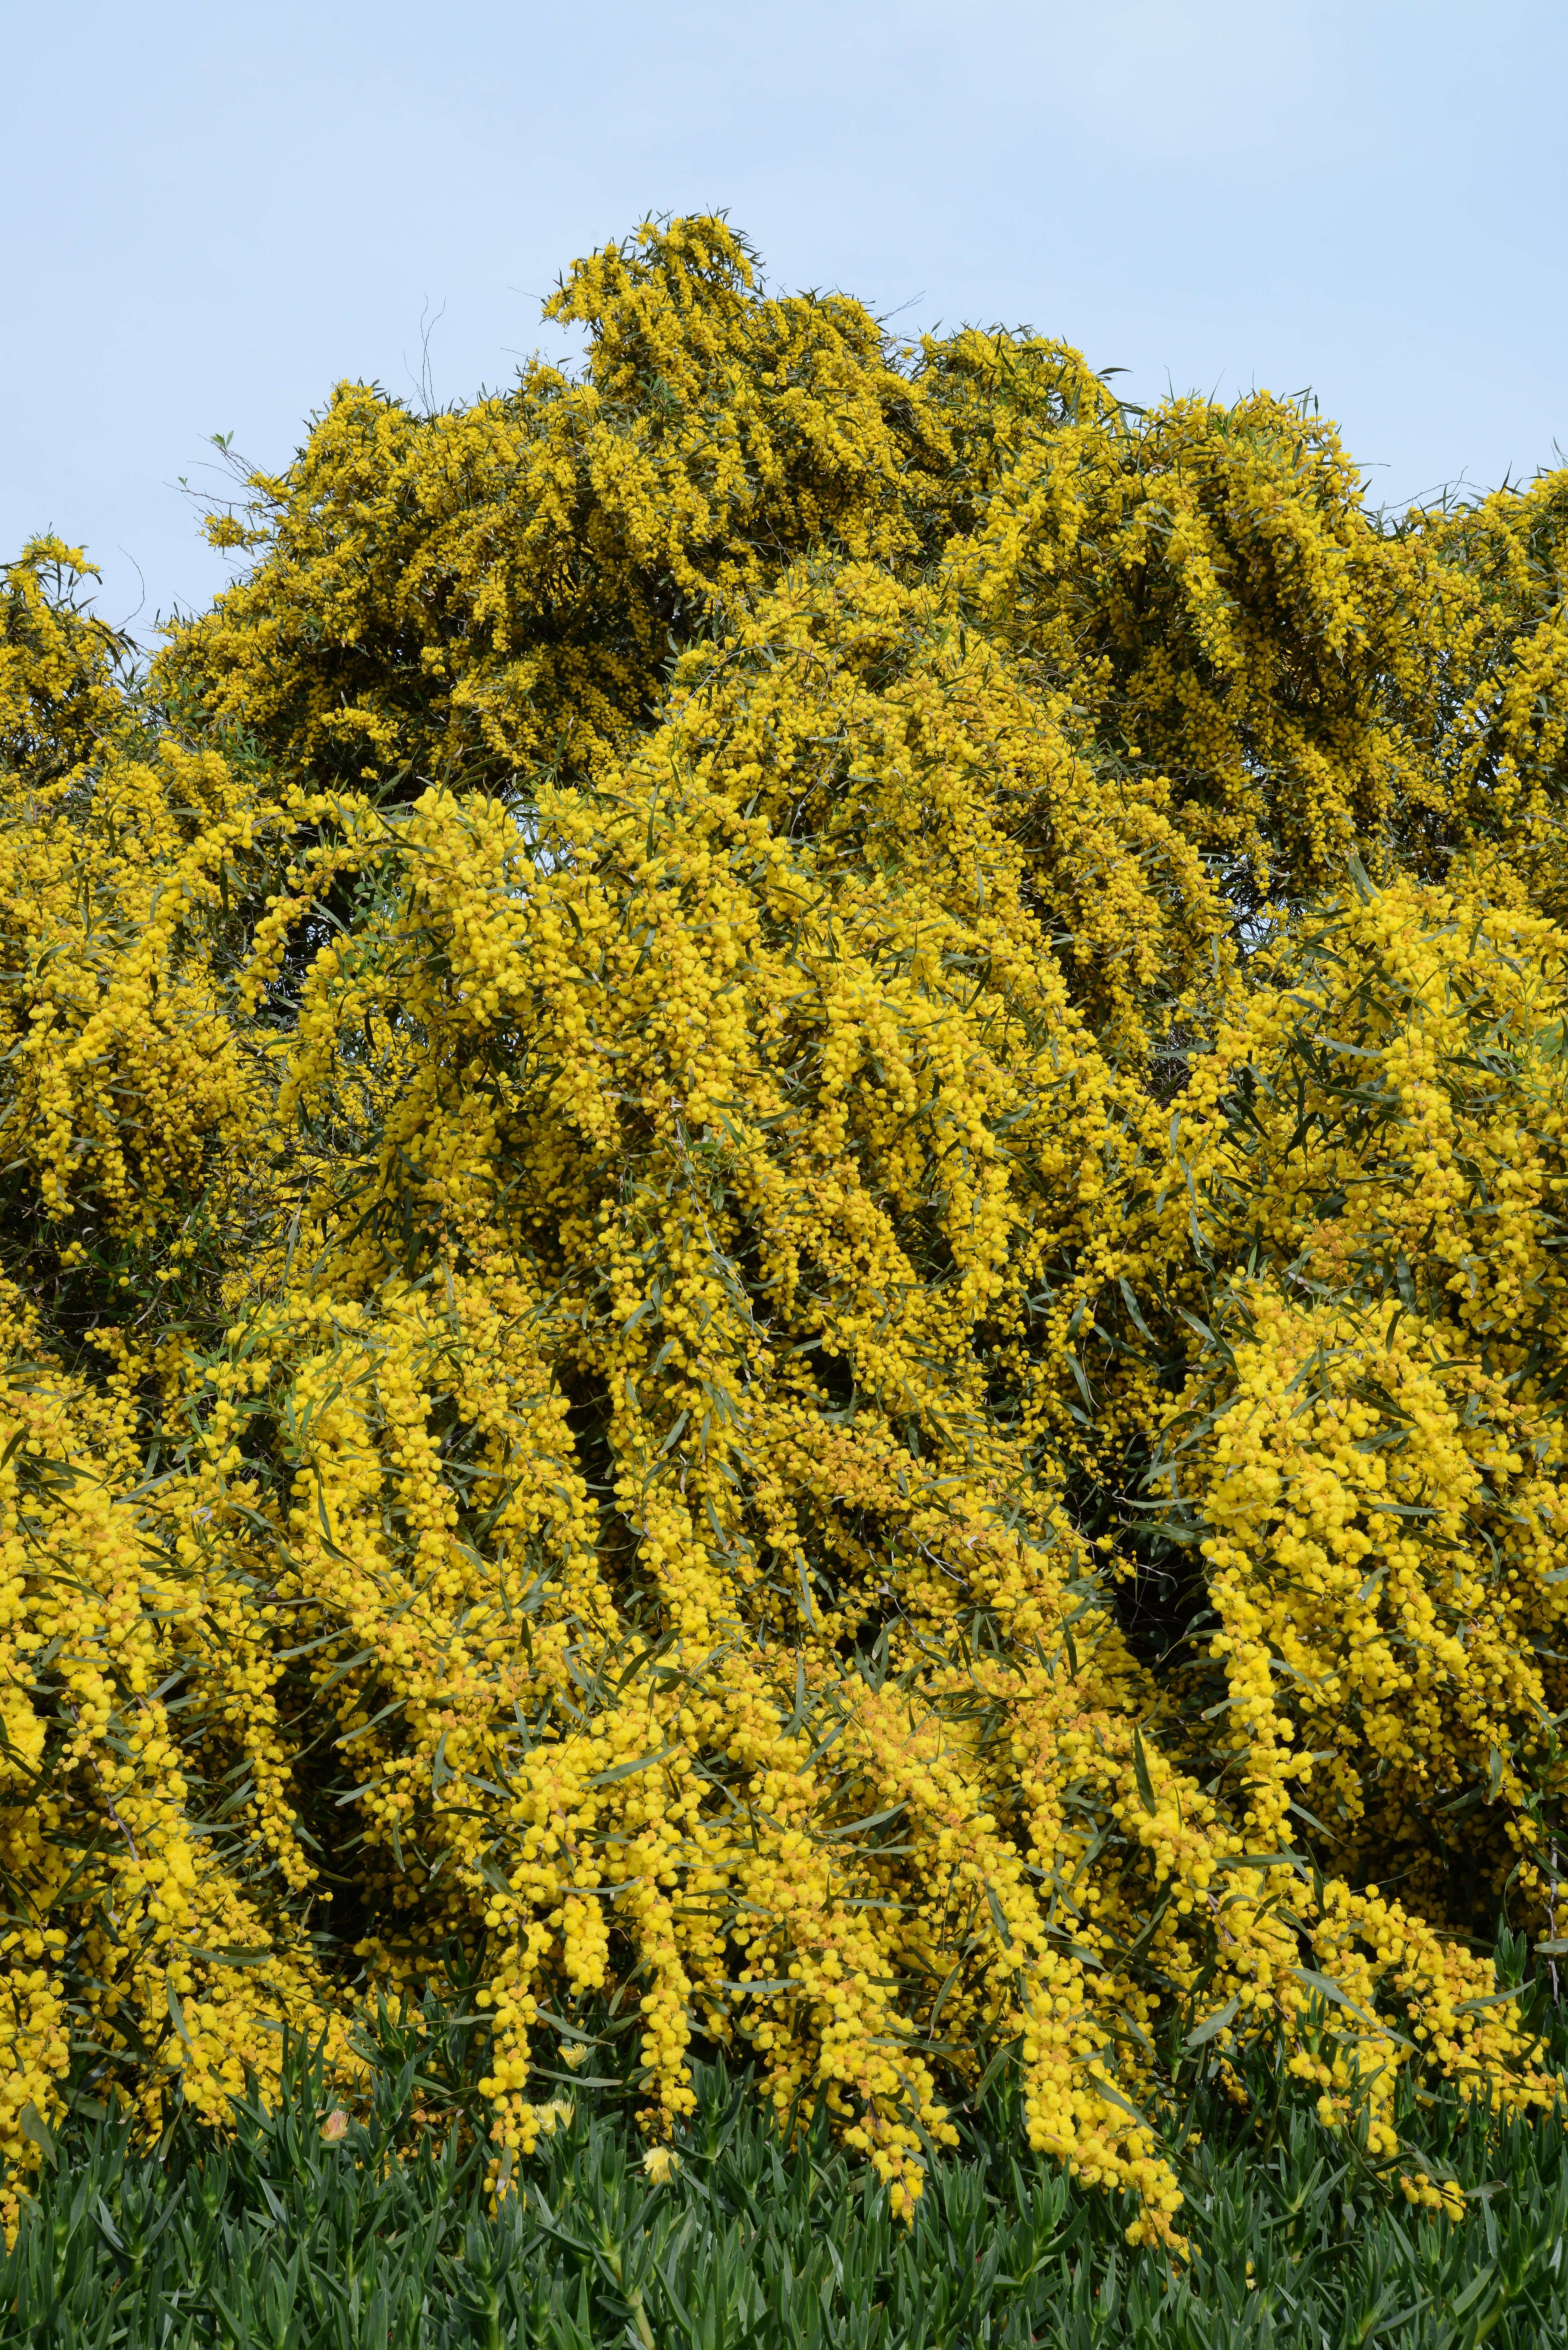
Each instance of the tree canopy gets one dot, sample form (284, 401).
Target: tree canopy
(780, 1247)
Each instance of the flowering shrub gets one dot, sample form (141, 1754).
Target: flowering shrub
(783, 1147)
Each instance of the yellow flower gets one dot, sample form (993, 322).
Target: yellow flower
(614, 1293)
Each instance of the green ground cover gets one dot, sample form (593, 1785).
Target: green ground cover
(277, 2239)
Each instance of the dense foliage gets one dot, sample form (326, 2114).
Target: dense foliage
(274, 2234)
(783, 1142)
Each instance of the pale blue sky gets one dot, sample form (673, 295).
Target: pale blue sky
(212, 213)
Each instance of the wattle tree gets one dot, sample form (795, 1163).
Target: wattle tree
(781, 1238)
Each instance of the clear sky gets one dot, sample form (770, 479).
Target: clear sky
(214, 213)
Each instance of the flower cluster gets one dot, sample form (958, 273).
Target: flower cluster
(782, 1148)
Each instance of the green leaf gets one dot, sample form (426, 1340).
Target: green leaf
(1213, 2024)
(1140, 1766)
(1327, 1989)
(999, 1919)
(628, 1770)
